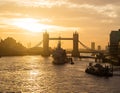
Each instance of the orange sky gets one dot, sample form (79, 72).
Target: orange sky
(25, 20)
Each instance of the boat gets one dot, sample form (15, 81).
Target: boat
(99, 70)
(71, 61)
(59, 55)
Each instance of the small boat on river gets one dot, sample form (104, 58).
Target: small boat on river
(99, 70)
(70, 60)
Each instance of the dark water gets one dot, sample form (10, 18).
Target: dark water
(35, 74)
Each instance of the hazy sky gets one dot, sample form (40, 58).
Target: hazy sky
(93, 19)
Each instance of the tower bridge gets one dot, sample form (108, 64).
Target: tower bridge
(46, 38)
(75, 51)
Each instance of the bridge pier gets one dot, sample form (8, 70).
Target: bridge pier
(75, 52)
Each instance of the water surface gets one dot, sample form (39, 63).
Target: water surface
(35, 74)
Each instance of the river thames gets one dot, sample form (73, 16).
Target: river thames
(35, 74)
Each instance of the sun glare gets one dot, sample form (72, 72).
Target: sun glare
(30, 24)
(34, 25)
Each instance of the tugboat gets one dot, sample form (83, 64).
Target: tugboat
(99, 70)
(59, 55)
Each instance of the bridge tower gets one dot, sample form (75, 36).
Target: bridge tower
(46, 51)
(75, 52)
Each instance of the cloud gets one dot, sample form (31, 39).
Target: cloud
(108, 10)
(59, 2)
(95, 2)
(69, 13)
(36, 3)
(64, 6)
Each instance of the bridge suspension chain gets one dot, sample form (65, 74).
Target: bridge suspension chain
(39, 44)
(86, 46)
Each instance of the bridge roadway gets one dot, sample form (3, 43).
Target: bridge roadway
(81, 56)
(93, 57)
(85, 51)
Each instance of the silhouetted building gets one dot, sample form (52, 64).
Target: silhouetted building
(9, 47)
(114, 46)
(99, 47)
(93, 45)
(106, 47)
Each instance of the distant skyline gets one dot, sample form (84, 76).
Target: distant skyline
(26, 20)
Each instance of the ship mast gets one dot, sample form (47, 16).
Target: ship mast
(59, 44)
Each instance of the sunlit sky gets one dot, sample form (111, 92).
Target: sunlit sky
(26, 20)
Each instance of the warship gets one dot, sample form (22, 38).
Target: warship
(59, 55)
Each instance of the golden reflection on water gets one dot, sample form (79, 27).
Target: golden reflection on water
(32, 79)
(34, 72)
(33, 75)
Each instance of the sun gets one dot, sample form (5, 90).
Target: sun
(30, 24)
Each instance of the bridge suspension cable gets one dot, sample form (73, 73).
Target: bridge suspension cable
(86, 47)
(39, 44)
